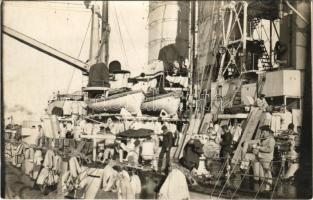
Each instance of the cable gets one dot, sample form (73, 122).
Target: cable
(129, 35)
(80, 50)
(123, 48)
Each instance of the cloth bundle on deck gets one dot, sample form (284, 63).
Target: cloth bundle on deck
(211, 149)
(57, 165)
(28, 164)
(136, 184)
(18, 156)
(75, 168)
(48, 173)
(109, 178)
(175, 186)
(47, 176)
(36, 163)
(67, 183)
(192, 153)
(48, 161)
(124, 188)
(71, 179)
(29, 153)
(8, 150)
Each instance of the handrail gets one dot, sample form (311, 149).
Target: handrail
(280, 170)
(245, 174)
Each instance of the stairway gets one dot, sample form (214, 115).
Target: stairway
(250, 127)
(255, 22)
(265, 59)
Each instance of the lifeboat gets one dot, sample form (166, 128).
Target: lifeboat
(167, 102)
(129, 100)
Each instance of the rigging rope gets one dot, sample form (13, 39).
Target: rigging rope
(129, 35)
(120, 33)
(80, 50)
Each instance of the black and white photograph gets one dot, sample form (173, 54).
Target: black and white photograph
(156, 99)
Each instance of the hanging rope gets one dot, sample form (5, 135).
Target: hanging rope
(129, 35)
(119, 29)
(80, 50)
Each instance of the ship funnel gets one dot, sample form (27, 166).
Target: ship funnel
(114, 66)
(98, 75)
(168, 30)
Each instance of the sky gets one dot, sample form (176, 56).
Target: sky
(30, 77)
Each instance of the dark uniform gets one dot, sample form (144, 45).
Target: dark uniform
(226, 145)
(166, 148)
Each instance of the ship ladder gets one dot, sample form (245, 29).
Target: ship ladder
(244, 176)
(228, 177)
(278, 178)
(265, 179)
(220, 173)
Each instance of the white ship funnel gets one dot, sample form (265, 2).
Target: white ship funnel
(168, 31)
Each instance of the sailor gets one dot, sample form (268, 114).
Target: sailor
(63, 130)
(286, 117)
(265, 154)
(236, 131)
(110, 139)
(58, 95)
(109, 144)
(226, 143)
(261, 102)
(102, 130)
(69, 132)
(293, 160)
(82, 126)
(41, 136)
(166, 149)
(290, 131)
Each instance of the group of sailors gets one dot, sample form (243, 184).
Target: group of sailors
(147, 148)
(218, 142)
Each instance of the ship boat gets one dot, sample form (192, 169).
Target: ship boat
(130, 100)
(155, 101)
(162, 102)
(62, 104)
(101, 98)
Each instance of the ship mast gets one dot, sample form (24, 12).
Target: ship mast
(105, 33)
(99, 49)
(94, 36)
(192, 50)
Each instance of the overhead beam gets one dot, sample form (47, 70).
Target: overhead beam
(78, 64)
